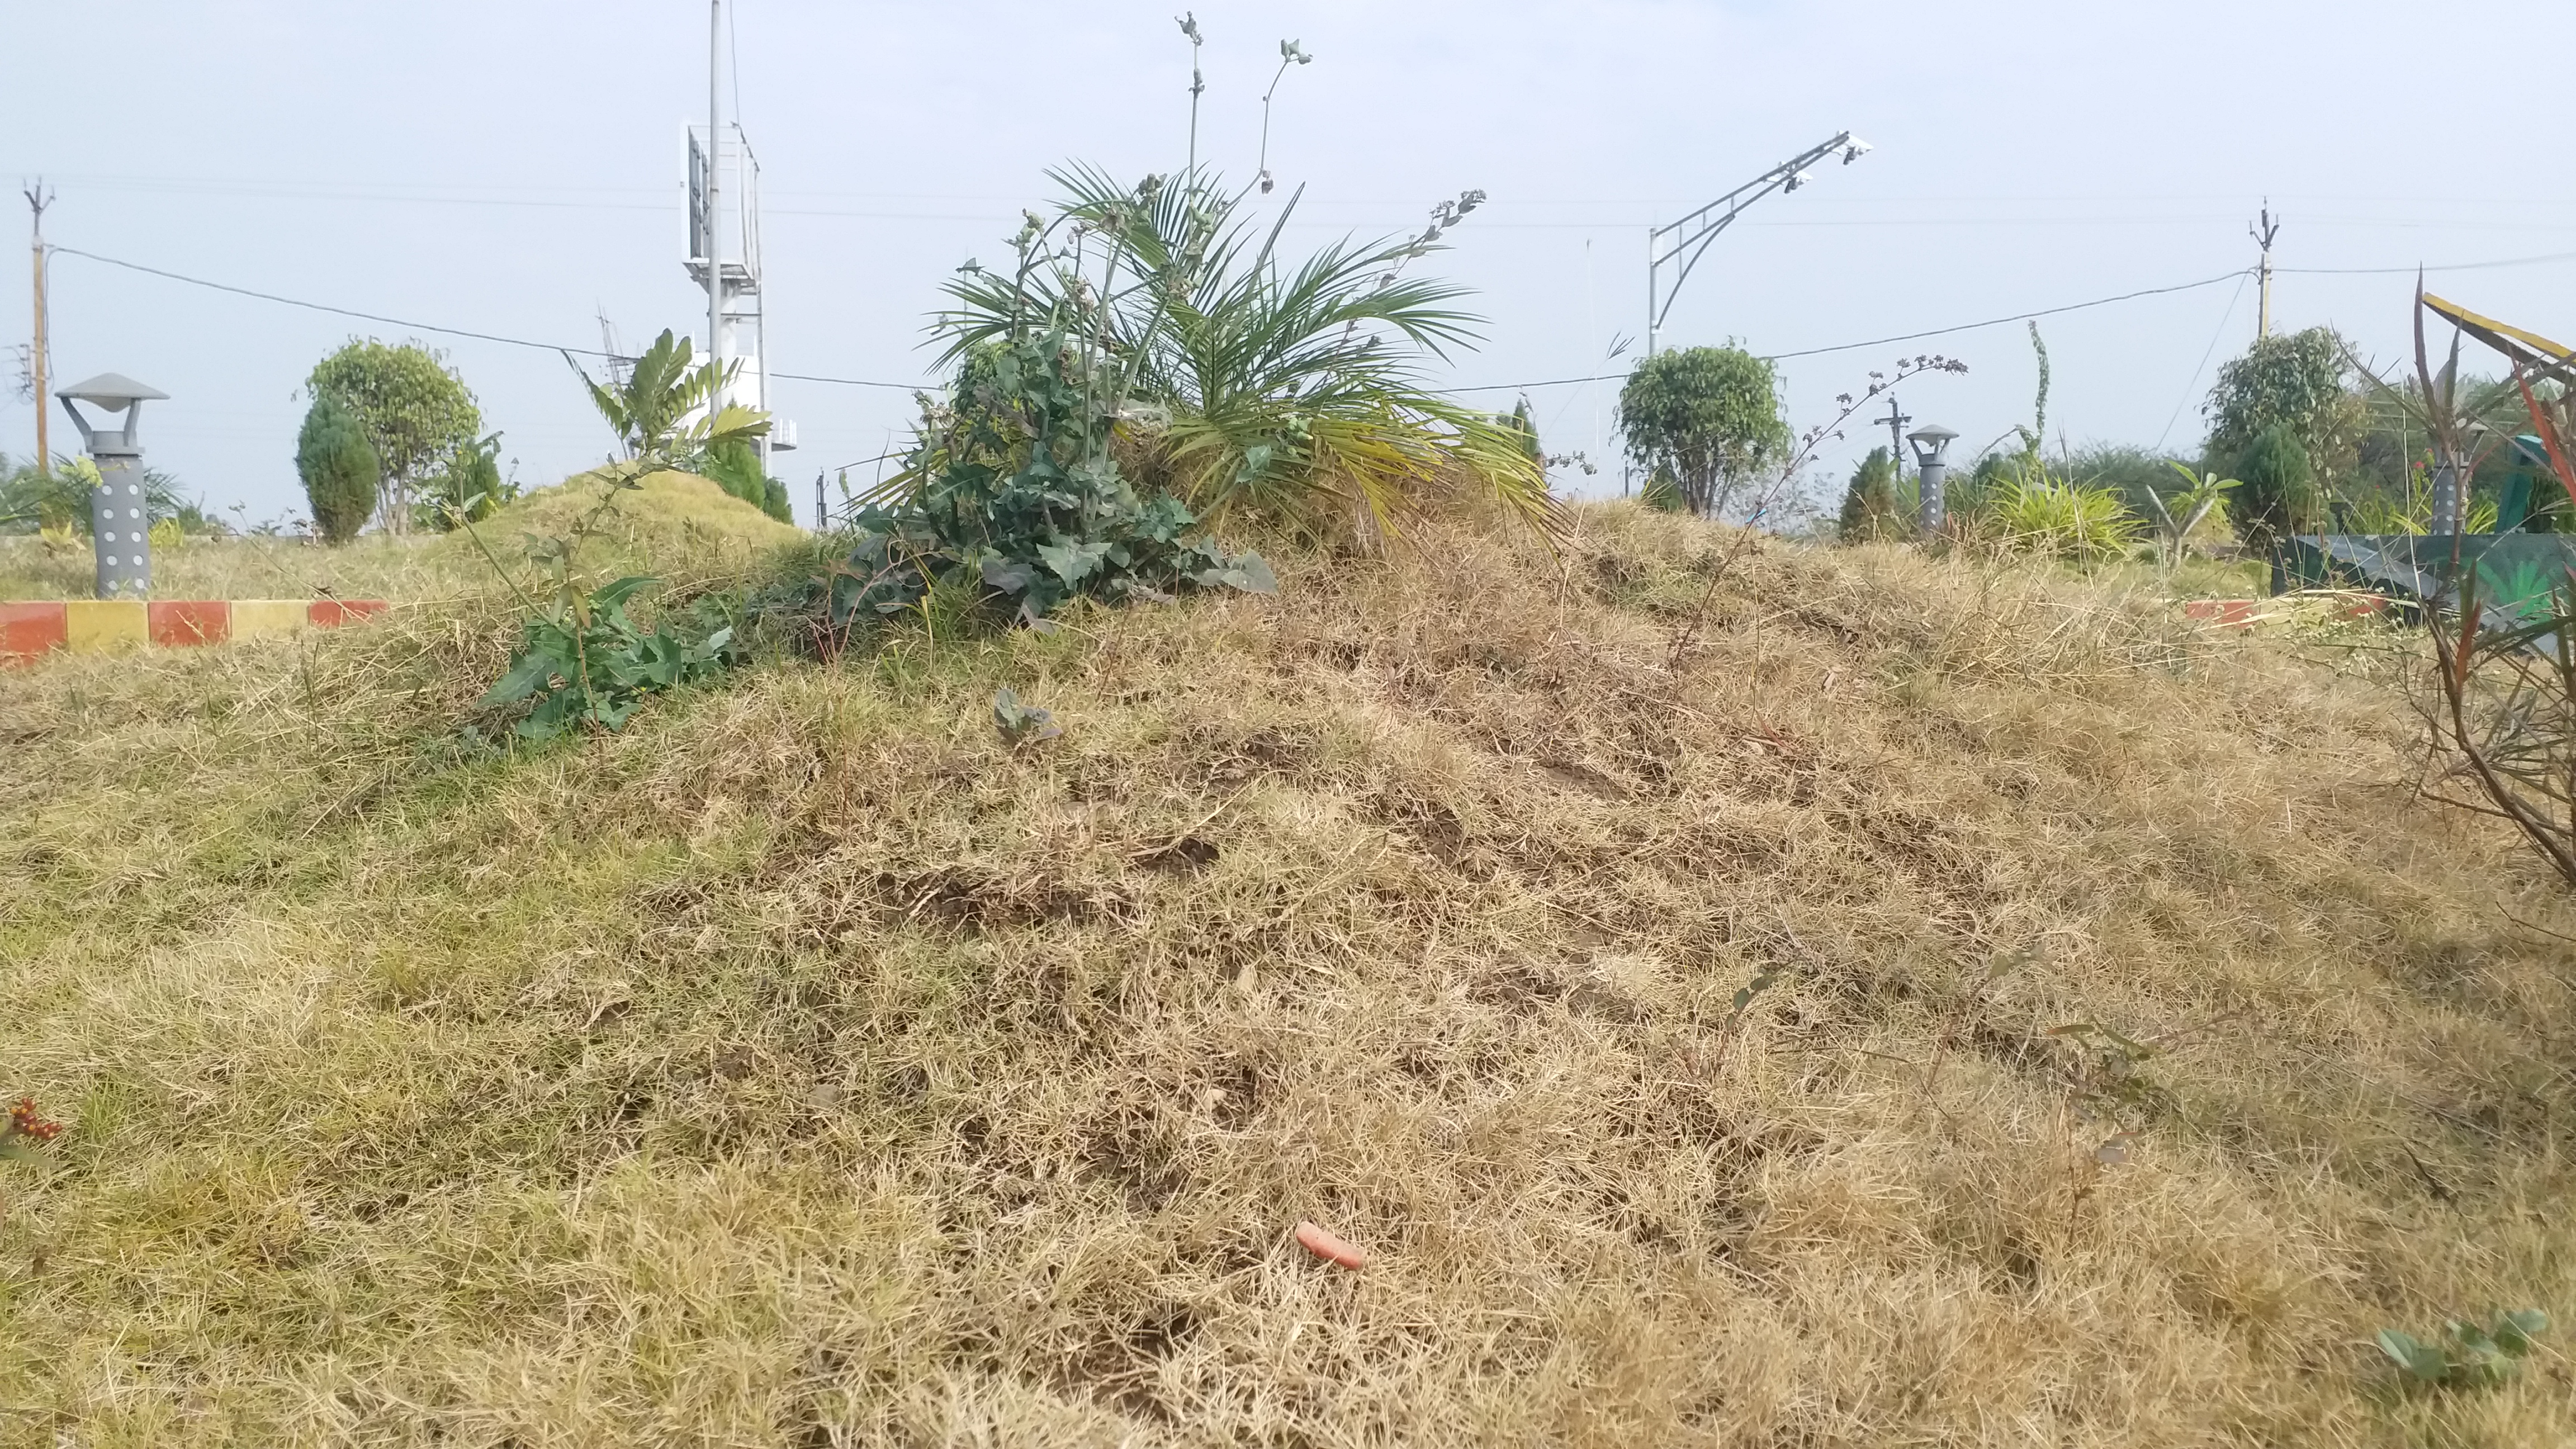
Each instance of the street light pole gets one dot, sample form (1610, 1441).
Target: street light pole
(1690, 236)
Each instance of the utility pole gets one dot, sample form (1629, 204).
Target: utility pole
(2263, 232)
(715, 210)
(38, 198)
(1896, 422)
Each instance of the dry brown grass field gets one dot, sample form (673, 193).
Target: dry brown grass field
(803, 1066)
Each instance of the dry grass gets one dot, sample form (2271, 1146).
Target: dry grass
(802, 1067)
(680, 517)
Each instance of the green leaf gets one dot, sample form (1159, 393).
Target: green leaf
(1011, 576)
(2421, 1361)
(614, 595)
(528, 673)
(1250, 573)
(1073, 560)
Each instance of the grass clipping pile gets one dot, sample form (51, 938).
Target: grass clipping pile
(1737, 1052)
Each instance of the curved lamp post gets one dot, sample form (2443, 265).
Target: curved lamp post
(120, 524)
(1679, 245)
(1932, 465)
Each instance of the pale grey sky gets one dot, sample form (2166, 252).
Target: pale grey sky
(515, 168)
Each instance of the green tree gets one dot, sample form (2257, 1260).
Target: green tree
(1869, 506)
(339, 467)
(414, 409)
(1710, 416)
(2296, 381)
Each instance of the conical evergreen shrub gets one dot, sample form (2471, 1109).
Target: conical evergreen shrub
(340, 470)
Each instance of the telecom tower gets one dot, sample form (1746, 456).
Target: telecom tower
(724, 247)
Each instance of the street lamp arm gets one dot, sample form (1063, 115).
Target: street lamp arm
(1697, 243)
(1691, 235)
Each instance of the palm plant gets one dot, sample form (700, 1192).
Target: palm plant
(2201, 495)
(660, 413)
(1248, 385)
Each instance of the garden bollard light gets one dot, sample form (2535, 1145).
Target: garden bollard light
(120, 525)
(1932, 466)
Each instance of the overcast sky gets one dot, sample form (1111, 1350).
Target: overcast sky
(516, 169)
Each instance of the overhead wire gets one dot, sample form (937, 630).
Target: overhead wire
(2206, 353)
(2235, 275)
(410, 325)
(2406, 271)
(2239, 274)
(1905, 337)
(59, 250)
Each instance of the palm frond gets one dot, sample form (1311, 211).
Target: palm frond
(1294, 391)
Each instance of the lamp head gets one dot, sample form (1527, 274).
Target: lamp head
(1798, 179)
(1856, 149)
(1930, 442)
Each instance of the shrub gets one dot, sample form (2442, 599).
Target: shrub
(735, 466)
(339, 467)
(2279, 495)
(587, 663)
(1024, 504)
(2035, 511)
(1869, 506)
(470, 490)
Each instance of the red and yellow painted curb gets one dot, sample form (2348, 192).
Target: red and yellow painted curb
(28, 630)
(2243, 614)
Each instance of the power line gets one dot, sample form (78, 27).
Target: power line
(858, 381)
(411, 326)
(2077, 307)
(1490, 387)
(324, 306)
(2206, 353)
(2410, 271)
(2016, 317)
(1907, 337)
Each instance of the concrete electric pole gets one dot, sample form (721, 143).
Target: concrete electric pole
(38, 198)
(2263, 232)
(1896, 422)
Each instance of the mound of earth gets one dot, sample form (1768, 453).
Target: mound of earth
(670, 519)
(1766, 996)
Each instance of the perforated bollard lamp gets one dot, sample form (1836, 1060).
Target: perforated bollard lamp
(1932, 464)
(120, 524)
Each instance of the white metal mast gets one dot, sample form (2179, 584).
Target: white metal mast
(733, 283)
(715, 208)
